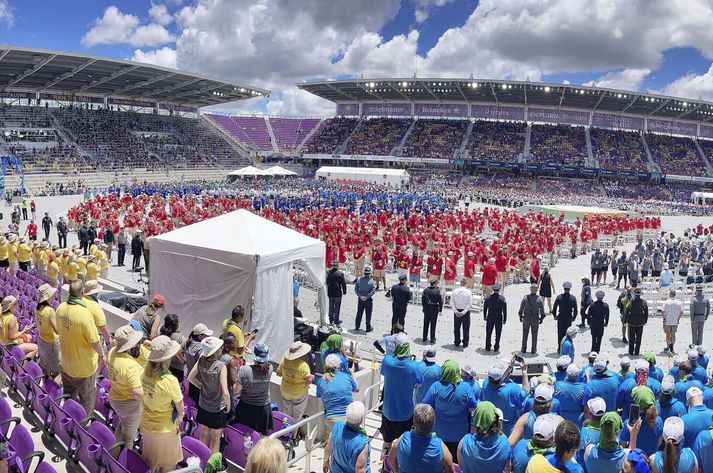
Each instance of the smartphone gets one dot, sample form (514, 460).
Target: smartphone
(634, 411)
(519, 359)
(255, 331)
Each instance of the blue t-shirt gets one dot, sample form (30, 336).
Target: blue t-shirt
(570, 395)
(587, 436)
(295, 289)
(336, 394)
(656, 373)
(521, 455)
(700, 374)
(703, 361)
(686, 460)
(347, 444)
(648, 437)
(420, 453)
(401, 376)
(567, 347)
(508, 397)
(570, 467)
(474, 385)
(672, 408)
(431, 373)
(708, 397)
(452, 404)
(388, 344)
(697, 419)
(484, 454)
(623, 395)
(604, 386)
(604, 460)
(560, 375)
(683, 386)
(666, 277)
(703, 448)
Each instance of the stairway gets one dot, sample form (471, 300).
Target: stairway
(592, 162)
(398, 148)
(236, 144)
(653, 166)
(464, 143)
(709, 170)
(309, 135)
(528, 134)
(340, 149)
(271, 132)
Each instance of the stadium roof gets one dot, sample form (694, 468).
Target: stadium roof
(64, 73)
(513, 93)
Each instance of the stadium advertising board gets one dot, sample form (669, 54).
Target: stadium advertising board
(177, 108)
(17, 95)
(132, 103)
(674, 128)
(71, 98)
(347, 109)
(441, 110)
(607, 120)
(705, 131)
(497, 113)
(549, 115)
(398, 109)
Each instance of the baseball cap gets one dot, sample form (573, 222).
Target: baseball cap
(333, 360)
(544, 392)
(533, 287)
(498, 370)
(367, 269)
(567, 285)
(692, 354)
(402, 277)
(159, 299)
(641, 366)
(470, 370)
(593, 355)
(571, 331)
(625, 361)
(599, 294)
(699, 288)
(260, 353)
(429, 353)
(563, 362)
(678, 359)
(202, 329)
(401, 339)
(600, 364)
(544, 428)
(496, 286)
(693, 392)
(573, 371)
(597, 406)
(668, 384)
(701, 351)
(673, 429)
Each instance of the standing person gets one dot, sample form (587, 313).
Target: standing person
(564, 311)
(336, 288)
(495, 314)
(637, 314)
(542, 441)
(365, 288)
(33, 209)
(348, 446)
(595, 265)
(604, 269)
(531, 313)
(233, 326)
(698, 418)
(24, 209)
(490, 276)
(47, 225)
(547, 286)
(487, 449)
(567, 440)
(62, 233)
(431, 372)
(504, 393)
(47, 334)
(149, 316)
(671, 456)
(163, 408)
(125, 373)
(109, 241)
(607, 453)
(570, 394)
(634, 268)
(137, 249)
(91, 289)
(170, 327)
(121, 240)
(700, 308)
(585, 300)
(622, 303)
(147, 248)
(82, 352)
(432, 303)
(415, 266)
(535, 270)
(400, 297)
(672, 313)
(420, 450)
(296, 378)
(623, 269)
(335, 389)
(598, 318)
(461, 301)
(253, 389)
(614, 264)
(566, 347)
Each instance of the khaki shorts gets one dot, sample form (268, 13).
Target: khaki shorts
(379, 273)
(670, 329)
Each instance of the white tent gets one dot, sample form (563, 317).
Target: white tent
(391, 177)
(248, 171)
(206, 269)
(702, 197)
(280, 171)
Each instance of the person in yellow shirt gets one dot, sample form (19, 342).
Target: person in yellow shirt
(163, 408)
(48, 338)
(72, 269)
(82, 352)
(91, 289)
(4, 254)
(12, 254)
(63, 262)
(103, 261)
(10, 333)
(94, 247)
(24, 255)
(296, 378)
(82, 267)
(92, 269)
(125, 372)
(44, 258)
(567, 440)
(53, 271)
(233, 326)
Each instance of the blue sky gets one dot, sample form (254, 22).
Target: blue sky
(277, 43)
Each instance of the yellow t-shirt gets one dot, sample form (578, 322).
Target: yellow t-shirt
(93, 248)
(125, 374)
(158, 411)
(35, 255)
(6, 320)
(92, 271)
(64, 266)
(73, 271)
(44, 324)
(23, 253)
(4, 248)
(295, 382)
(44, 257)
(539, 464)
(12, 253)
(234, 329)
(82, 265)
(77, 333)
(97, 312)
(143, 357)
(53, 270)
(103, 259)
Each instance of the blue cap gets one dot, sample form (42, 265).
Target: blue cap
(496, 286)
(136, 325)
(260, 353)
(567, 285)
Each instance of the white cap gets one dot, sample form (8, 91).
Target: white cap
(678, 359)
(563, 361)
(573, 371)
(597, 406)
(544, 392)
(692, 354)
(534, 381)
(600, 364)
(673, 429)
(333, 359)
(429, 353)
(355, 413)
(571, 331)
(470, 370)
(693, 392)
(544, 428)
(625, 361)
(498, 370)
(701, 351)
(668, 384)
(401, 339)
(641, 365)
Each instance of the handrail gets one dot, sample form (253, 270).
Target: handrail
(368, 391)
(295, 426)
(310, 446)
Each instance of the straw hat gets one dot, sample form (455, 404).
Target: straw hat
(45, 292)
(92, 287)
(127, 338)
(163, 348)
(8, 302)
(297, 350)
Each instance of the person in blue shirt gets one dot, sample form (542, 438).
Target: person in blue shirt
(470, 377)
(672, 457)
(296, 290)
(703, 449)
(542, 442)
(562, 363)
(588, 369)
(624, 393)
(668, 405)
(702, 358)
(430, 371)
(654, 371)
(570, 394)
(543, 399)
(401, 377)
(566, 444)
(697, 371)
(420, 450)
(589, 435)
(505, 394)
(698, 417)
(335, 389)
(677, 360)
(607, 455)
(333, 345)
(603, 384)
(385, 344)
(685, 381)
(347, 448)
(530, 399)
(486, 450)
(625, 371)
(567, 344)
(651, 423)
(453, 400)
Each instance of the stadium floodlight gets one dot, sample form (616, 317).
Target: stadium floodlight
(685, 104)
(547, 88)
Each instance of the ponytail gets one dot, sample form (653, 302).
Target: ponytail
(651, 415)
(670, 457)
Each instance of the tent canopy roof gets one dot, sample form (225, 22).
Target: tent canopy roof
(364, 171)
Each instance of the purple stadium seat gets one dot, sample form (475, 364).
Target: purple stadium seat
(41, 397)
(278, 419)
(102, 406)
(64, 418)
(10, 364)
(45, 467)
(235, 449)
(128, 461)
(6, 417)
(192, 446)
(97, 435)
(23, 445)
(31, 372)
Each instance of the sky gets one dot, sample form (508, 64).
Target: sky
(663, 46)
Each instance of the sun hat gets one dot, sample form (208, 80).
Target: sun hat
(260, 353)
(163, 348)
(650, 357)
(210, 345)
(127, 338)
(597, 406)
(45, 292)
(297, 350)
(8, 302)
(92, 287)
(202, 329)
(701, 351)
(673, 429)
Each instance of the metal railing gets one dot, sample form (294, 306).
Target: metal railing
(310, 445)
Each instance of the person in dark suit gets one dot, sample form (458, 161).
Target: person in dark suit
(401, 296)
(564, 311)
(495, 313)
(598, 318)
(83, 235)
(432, 303)
(336, 288)
(137, 249)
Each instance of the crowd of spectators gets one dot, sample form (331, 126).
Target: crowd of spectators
(330, 135)
(558, 144)
(617, 149)
(496, 141)
(676, 155)
(378, 136)
(436, 139)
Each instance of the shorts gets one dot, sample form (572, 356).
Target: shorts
(212, 420)
(670, 329)
(161, 449)
(379, 273)
(49, 356)
(391, 430)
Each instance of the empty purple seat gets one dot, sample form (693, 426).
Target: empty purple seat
(89, 442)
(41, 397)
(23, 445)
(279, 419)
(65, 416)
(127, 461)
(101, 405)
(6, 417)
(238, 438)
(26, 375)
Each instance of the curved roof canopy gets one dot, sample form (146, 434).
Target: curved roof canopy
(82, 75)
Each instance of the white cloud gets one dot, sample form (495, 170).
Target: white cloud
(423, 8)
(6, 15)
(626, 79)
(294, 101)
(159, 14)
(165, 57)
(694, 86)
(115, 27)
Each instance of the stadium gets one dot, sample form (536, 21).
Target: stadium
(184, 286)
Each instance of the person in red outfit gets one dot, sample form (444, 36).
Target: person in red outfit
(490, 277)
(378, 259)
(31, 230)
(469, 270)
(415, 266)
(450, 273)
(535, 270)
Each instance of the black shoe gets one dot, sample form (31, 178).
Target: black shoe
(369, 329)
(624, 340)
(465, 345)
(432, 341)
(496, 348)
(357, 329)
(533, 352)
(456, 344)
(354, 282)
(487, 348)
(581, 325)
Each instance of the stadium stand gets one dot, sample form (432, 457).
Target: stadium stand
(616, 149)
(435, 138)
(291, 132)
(676, 155)
(560, 144)
(250, 130)
(377, 136)
(331, 134)
(496, 141)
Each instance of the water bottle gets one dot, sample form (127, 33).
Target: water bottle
(193, 461)
(247, 444)
(285, 422)
(102, 394)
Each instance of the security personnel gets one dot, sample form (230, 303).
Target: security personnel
(700, 309)
(495, 313)
(637, 314)
(598, 318)
(432, 303)
(401, 296)
(564, 311)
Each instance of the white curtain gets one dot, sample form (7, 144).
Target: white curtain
(273, 309)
